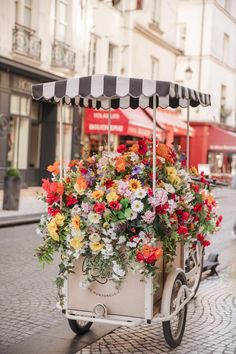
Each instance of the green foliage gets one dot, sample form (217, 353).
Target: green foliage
(13, 172)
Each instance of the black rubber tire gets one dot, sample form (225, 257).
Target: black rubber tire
(167, 330)
(77, 328)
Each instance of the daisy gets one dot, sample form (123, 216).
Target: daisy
(134, 184)
(94, 218)
(140, 193)
(137, 206)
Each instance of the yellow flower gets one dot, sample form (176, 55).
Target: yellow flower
(174, 179)
(193, 171)
(97, 194)
(59, 219)
(171, 171)
(75, 221)
(96, 246)
(134, 184)
(52, 229)
(112, 196)
(76, 242)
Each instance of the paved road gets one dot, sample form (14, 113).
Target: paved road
(210, 328)
(28, 318)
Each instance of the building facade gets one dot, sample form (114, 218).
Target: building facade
(206, 38)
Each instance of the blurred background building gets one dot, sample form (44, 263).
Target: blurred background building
(191, 42)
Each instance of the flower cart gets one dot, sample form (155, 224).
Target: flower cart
(122, 221)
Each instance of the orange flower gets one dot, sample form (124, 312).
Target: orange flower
(60, 188)
(158, 253)
(98, 194)
(73, 163)
(146, 250)
(134, 148)
(165, 151)
(54, 168)
(90, 160)
(81, 184)
(75, 221)
(120, 164)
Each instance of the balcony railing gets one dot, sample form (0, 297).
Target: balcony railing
(26, 43)
(62, 56)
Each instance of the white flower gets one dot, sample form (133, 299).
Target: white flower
(132, 216)
(132, 244)
(122, 239)
(95, 237)
(137, 206)
(106, 240)
(94, 218)
(169, 188)
(140, 193)
(118, 270)
(107, 251)
(134, 157)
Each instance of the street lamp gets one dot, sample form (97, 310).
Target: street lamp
(188, 73)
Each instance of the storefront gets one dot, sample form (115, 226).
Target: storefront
(175, 129)
(215, 146)
(29, 132)
(127, 126)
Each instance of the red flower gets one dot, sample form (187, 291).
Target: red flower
(150, 192)
(53, 211)
(162, 209)
(83, 170)
(196, 219)
(139, 257)
(70, 200)
(142, 147)
(52, 198)
(218, 221)
(206, 243)
(114, 205)
(173, 196)
(109, 183)
(182, 230)
(152, 258)
(184, 163)
(185, 216)
(99, 208)
(200, 237)
(121, 148)
(198, 207)
(195, 187)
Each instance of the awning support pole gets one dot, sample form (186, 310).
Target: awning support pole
(188, 137)
(60, 144)
(109, 128)
(154, 152)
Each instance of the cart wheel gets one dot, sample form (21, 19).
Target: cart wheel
(174, 329)
(193, 267)
(79, 327)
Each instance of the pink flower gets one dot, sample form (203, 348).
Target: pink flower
(148, 217)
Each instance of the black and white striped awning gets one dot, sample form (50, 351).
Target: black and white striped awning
(103, 91)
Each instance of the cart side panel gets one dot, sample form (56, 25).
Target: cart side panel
(129, 300)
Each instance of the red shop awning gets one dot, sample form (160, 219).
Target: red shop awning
(221, 139)
(170, 120)
(133, 122)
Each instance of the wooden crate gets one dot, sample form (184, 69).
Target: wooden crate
(129, 300)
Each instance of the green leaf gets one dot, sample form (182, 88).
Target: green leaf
(121, 215)
(124, 202)
(128, 212)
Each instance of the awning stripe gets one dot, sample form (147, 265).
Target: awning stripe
(101, 88)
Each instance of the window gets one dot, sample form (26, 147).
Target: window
(27, 13)
(181, 36)
(92, 55)
(24, 133)
(67, 116)
(156, 11)
(61, 20)
(225, 48)
(23, 12)
(154, 68)
(112, 56)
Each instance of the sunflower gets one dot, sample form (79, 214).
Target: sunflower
(134, 184)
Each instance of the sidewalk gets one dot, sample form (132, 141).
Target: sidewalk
(30, 208)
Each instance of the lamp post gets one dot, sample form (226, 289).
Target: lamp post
(188, 73)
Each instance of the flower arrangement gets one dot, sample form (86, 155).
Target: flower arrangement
(104, 210)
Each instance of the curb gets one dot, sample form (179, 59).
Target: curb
(20, 220)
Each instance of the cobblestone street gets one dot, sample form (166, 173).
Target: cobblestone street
(30, 323)
(210, 326)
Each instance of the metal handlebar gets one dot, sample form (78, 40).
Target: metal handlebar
(211, 181)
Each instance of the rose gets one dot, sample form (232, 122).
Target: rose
(139, 257)
(114, 205)
(198, 207)
(185, 216)
(182, 230)
(70, 200)
(99, 207)
(53, 211)
(121, 148)
(109, 183)
(151, 258)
